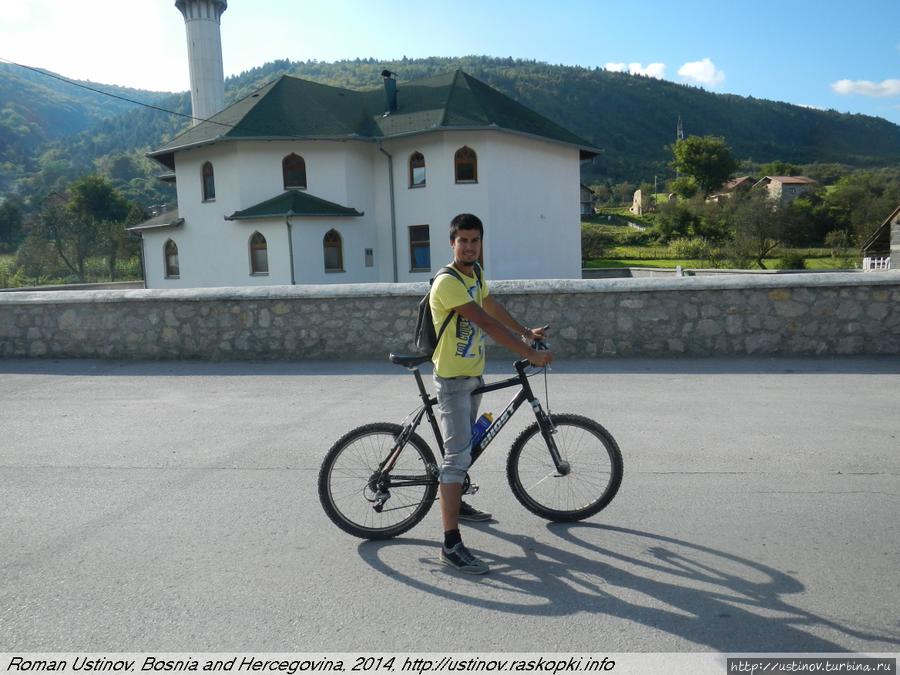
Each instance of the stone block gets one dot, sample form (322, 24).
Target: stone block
(790, 308)
(761, 343)
(877, 311)
(709, 328)
(849, 309)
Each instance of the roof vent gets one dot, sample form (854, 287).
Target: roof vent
(390, 92)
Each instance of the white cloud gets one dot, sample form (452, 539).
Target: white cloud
(866, 88)
(702, 72)
(657, 70)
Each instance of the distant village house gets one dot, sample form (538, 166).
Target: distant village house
(785, 189)
(587, 200)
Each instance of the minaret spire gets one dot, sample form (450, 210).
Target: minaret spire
(204, 41)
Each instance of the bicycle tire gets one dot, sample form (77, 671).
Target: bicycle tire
(345, 473)
(595, 477)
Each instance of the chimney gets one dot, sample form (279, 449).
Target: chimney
(390, 92)
(204, 41)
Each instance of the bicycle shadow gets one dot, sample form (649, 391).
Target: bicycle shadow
(709, 597)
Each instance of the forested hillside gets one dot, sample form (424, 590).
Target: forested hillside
(51, 132)
(36, 110)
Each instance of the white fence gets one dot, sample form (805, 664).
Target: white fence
(873, 264)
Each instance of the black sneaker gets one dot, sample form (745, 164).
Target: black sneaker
(469, 512)
(460, 559)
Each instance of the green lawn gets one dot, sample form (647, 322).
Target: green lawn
(604, 263)
(771, 263)
(95, 271)
(6, 262)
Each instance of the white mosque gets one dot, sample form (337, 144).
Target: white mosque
(302, 183)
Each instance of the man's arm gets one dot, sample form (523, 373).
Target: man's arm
(501, 334)
(498, 311)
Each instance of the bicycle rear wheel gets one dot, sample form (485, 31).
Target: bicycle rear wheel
(347, 491)
(595, 469)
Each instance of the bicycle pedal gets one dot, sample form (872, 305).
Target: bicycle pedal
(471, 490)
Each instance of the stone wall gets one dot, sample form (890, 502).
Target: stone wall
(820, 314)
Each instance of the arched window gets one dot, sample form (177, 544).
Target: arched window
(416, 170)
(293, 169)
(259, 254)
(171, 256)
(334, 255)
(466, 165)
(209, 182)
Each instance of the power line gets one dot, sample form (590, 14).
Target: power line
(106, 93)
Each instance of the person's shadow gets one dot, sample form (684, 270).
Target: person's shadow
(709, 597)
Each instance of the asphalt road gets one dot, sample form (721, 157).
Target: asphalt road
(173, 507)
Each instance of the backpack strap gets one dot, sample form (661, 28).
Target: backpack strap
(445, 270)
(449, 270)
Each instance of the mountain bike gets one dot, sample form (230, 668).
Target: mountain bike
(379, 480)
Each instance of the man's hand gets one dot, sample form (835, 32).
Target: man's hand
(540, 359)
(536, 334)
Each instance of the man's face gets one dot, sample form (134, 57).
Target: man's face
(466, 247)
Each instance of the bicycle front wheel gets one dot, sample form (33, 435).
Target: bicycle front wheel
(595, 474)
(347, 486)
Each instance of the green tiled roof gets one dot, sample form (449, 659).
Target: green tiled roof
(293, 203)
(291, 108)
(165, 219)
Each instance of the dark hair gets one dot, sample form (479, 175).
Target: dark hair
(465, 221)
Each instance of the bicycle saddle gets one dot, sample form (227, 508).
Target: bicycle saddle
(409, 361)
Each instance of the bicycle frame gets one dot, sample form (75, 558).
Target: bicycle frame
(524, 394)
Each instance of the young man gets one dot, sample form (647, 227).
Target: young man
(458, 367)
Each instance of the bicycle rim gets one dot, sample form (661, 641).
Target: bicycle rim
(347, 496)
(595, 464)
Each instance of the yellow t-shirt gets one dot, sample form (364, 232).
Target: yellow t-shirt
(461, 348)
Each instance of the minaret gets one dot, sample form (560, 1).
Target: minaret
(201, 22)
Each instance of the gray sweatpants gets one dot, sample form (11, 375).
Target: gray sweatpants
(457, 412)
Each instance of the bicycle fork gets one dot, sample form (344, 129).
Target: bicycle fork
(548, 431)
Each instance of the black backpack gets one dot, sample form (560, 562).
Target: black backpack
(426, 338)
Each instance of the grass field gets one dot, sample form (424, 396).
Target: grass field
(95, 271)
(771, 263)
(630, 247)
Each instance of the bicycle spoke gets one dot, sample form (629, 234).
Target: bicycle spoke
(349, 495)
(535, 478)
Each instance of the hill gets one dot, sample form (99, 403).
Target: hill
(54, 131)
(36, 109)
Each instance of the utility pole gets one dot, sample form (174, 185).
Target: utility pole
(679, 136)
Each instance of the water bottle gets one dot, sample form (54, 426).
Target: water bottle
(481, 425)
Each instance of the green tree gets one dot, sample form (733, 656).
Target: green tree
(10, 224)
(706, 159)
(758, 227)
(683, 186)
(95, 202)
(88, 221)
(36, 260)
(623, 192)
(779, 168)
(861, 201)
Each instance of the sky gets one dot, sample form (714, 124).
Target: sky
(829, 54)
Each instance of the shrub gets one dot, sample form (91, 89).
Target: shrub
(675, 218)
(692, 248)
(791, 260)
(685, 186)
(594, 242)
